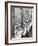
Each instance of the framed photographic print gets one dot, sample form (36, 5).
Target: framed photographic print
(20, 22)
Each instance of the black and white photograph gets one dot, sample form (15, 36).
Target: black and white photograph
(21, 22)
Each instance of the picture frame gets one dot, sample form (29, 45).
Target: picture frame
(20, 22)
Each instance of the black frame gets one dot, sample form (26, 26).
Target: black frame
(6, 22)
